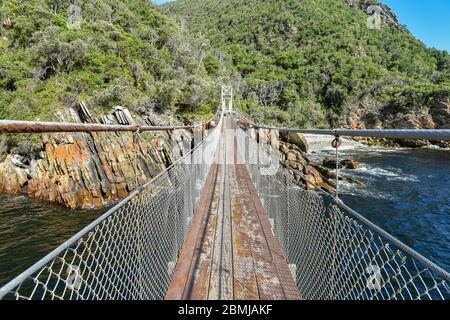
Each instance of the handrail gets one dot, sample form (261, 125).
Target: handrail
(9, 126)
(337, 201)
(433, 266)
(387, 133)
(417, 134)
(14, 126)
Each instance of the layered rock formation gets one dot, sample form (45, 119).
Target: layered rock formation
(91, 169)
(13, 174)
(369, 116)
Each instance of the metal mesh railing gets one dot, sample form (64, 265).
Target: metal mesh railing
(333, 252)
(131, 251)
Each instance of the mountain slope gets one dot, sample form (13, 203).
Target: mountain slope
(122, 53)
(316, 62)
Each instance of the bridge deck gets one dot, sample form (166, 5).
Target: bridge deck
(230, 251)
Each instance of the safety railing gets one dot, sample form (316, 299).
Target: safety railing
(334, 252)
(16, 126)
(130, 252)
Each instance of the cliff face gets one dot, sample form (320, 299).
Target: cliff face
(386, 14)
(369, 116)
(90, 169)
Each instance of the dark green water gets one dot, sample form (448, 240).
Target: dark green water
(31, 229)
(407, 194)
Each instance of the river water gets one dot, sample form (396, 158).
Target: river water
(31, 229)
(407, 194)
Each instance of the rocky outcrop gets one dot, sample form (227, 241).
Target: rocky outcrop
(386, 14)
(13, 174)
(331, 176)
(346, 163)
(296, 139)
(91, 169)
(440, 113)
(294, 157)
(368, 115)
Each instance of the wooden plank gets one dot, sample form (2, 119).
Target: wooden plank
(244, 279)
(221, 287)
(198, 287)
(181, 285)
(227, 261)
(226, 288)
(277, 270)
(279, 261)
(215, 276)
(182, 275)
(269, 286)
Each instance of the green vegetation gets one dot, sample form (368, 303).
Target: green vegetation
(124, 53)
(312, 62)
(306, 63)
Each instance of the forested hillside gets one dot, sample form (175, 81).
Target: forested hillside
(104, 52)
(317, 63)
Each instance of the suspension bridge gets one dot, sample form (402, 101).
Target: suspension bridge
(229, 221)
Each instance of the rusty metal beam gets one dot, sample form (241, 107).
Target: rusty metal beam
(18, 126)
(12, 126)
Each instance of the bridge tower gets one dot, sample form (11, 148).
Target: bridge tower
(226, 98)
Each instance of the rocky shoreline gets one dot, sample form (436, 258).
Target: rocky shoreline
(368, 115)
(97, 169)
(91, 169)
(402, 143)
(292, 150)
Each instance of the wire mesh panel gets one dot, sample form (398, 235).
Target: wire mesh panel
(131, 251)
(333, 252)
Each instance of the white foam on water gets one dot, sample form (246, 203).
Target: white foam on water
(391, 173)
(317, 142)
(434, 147)
(16, 197)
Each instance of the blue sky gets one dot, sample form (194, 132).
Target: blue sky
(428, 20)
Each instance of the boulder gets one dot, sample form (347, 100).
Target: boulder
(350, 164)
(411, 143)
(291, 156)
(17, 160)
(347, 163)
(440, 111)
(12, 177)
(296, 139)
(331, 176)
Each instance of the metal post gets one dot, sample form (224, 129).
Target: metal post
(335, 144)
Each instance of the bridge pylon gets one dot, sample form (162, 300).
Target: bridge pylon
(226, 98)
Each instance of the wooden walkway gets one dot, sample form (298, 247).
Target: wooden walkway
(231, 252)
